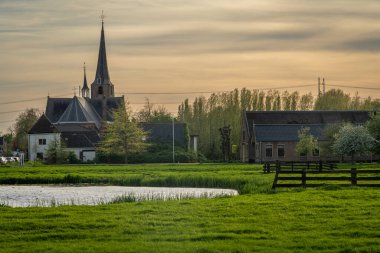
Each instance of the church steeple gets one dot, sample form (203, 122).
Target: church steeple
(85, 89)
(102, 85)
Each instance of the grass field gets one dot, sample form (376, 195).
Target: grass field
(327, 219)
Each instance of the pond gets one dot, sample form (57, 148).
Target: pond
(48, 196)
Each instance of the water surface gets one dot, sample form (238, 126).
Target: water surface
(34, 195)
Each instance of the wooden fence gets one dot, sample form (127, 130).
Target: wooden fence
(298, 166)
(303, 176)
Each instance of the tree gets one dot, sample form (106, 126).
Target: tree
(352, 140)
(24, 123)
(306, 102)
(329, 134)
(123, 135)
(334, 99)
(152, 114)
(307, 143)
(56, 152)
(374, 129)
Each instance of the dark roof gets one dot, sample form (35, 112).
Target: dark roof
(43, 125)
(287, 132)
(163, 132)
(80, 139)
(85, 86)
(76, 127)
(112, 103)
(102, 68)
(284, 125)
(307, 117)
(80, 111)
(55, 107)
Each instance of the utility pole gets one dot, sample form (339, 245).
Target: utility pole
(173, 142)
(324, 86)
(319, 86)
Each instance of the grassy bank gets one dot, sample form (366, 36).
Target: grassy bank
(244, 178)
(343, 220)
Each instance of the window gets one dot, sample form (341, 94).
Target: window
(100, 90)
(268, 150)
(280, 150)
(316, 152)
(41, 141)
(99, 80)
(40, 156)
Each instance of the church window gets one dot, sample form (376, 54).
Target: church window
(99, 80)
(41, 141)
(100, 90)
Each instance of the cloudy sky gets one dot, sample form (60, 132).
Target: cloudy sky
(185, 46)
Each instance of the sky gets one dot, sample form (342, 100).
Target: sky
(169, 46)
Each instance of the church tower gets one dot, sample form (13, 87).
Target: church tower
(102, 86)
(85, 90)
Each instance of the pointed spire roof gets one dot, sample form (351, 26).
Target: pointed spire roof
(80, 111)
(85, 87)
(85, 90)
(102, 68)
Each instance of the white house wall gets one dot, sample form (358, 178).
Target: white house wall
(88, 154)
(35, 147)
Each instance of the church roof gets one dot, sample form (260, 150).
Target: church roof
(55, 107)
(112, 103)
(80, 110)
(102, 68)
(43, 125)
(80, 139)
(85, 86)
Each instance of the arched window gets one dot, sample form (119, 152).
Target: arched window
(100, 90)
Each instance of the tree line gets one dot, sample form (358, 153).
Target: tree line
(205, 116)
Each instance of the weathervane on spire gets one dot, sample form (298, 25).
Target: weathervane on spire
(102, 17)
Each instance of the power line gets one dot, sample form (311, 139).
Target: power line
(209, 92)
(355, 87)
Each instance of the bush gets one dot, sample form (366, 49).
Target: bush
(154, 154)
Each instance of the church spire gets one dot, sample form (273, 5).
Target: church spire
(85, 89)
(102, 85)
(102, 75)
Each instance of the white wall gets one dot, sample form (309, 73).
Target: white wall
(88, 154)
(35, 147)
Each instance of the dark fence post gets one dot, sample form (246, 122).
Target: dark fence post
(275, 179)
(354, 176)
(320, 165)
(303, 177)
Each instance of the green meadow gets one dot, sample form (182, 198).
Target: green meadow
(325, 219)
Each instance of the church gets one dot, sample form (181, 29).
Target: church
(77, 121)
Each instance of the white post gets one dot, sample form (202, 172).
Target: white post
(173, 142)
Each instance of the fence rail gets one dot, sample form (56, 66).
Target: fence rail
(297, 166)
(348, 176)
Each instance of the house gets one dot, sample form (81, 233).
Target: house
(162, 133)
(78, 121)
(273, 135)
